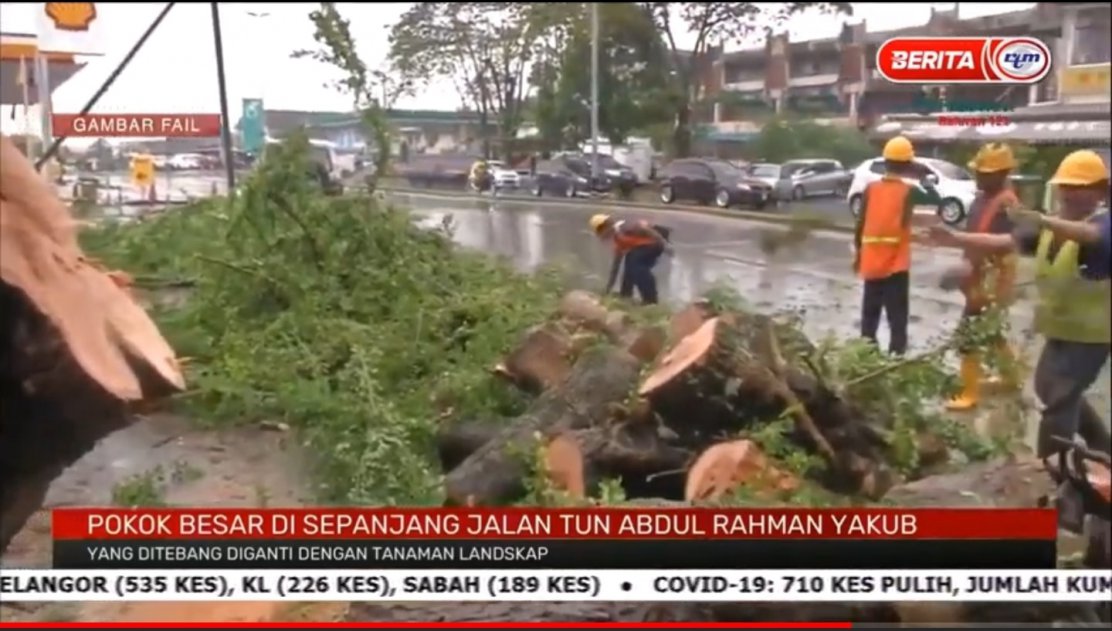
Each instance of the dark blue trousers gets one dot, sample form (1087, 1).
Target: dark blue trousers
(637, 272)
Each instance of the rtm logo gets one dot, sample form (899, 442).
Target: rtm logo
(963, 60)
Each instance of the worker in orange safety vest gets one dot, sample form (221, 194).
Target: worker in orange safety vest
(637, 248)
(882, 242)
(987, 279)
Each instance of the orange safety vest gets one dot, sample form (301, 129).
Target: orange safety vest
(624, 242)
(976, 294)
(885, 239)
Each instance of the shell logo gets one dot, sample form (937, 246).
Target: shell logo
(71, 16)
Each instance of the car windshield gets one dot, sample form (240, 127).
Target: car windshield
(765, 170)
(724, 170)
(949, 170)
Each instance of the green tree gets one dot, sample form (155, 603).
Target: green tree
(714, 23)
(781, 140)
(634, 86)
(485, 48)
(372, 91)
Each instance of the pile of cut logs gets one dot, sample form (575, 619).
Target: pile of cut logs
(665, 410)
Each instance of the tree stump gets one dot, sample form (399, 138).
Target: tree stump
(495, 473)
(75, 349)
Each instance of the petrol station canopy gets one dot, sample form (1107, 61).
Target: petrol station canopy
(60, 32)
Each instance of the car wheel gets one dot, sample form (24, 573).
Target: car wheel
(667, 195)
(951, 211)
(798, 193)
(722, 198)
(855, 204)
(570, 190)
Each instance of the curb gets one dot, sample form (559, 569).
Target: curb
(816, 223)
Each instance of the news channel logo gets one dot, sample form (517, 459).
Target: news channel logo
(1021, 60)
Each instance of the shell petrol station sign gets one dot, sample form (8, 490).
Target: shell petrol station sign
(70, 27)
(40, 43)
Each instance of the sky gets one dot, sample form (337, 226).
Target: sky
(175, 72)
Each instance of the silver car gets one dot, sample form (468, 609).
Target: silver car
(809, 178)
(799, 179)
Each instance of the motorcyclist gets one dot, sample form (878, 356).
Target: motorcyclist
(480, 175)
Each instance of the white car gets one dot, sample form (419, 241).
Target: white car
(504, 176)
(954, 184)
(186, 162)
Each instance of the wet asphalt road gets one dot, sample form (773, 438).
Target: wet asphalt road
(813, 277)
(185, 185)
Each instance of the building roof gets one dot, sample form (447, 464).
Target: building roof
(1042, 18)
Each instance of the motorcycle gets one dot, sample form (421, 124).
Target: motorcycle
(1084, 499)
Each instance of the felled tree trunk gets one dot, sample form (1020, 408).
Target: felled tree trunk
(75, 348)
(495, 474)
(455, 442)
(738, 369)
(542, 359)
(634, 453)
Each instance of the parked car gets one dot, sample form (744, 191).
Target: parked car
(621, 176)
(954, 184)
(808, 178)
(717, 181)
(568, 176)
(186, 162)
(431, 171)
(504, 177)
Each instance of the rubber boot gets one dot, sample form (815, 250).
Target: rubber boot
(971, 373)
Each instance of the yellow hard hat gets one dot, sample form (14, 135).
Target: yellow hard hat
(899, 149)
(597, 221)
(1081, 168)
(993, 158)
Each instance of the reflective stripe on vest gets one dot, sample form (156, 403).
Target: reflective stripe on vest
(885, 239)
(1071, 308)
(624, 242)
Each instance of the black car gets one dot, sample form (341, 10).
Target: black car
(712, 181)
(437, 171)
(568, 176)
(621, 177)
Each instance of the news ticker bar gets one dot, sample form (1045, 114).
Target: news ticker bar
(567, 585)
(558, 554)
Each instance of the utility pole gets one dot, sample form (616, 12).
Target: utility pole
(594, 89)
(225, 126)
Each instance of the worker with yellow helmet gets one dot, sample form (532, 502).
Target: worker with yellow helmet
(1074, 311)
(637, 245)
(882, 243)
(987, 279)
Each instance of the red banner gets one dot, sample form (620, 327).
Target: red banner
(136, 125)
(589, 523)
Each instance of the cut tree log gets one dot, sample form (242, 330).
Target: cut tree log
(634, 454)
(728, 466)
(741, 369)
(76, 349)
(495, 474)
(456, 441)
(543, 357)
